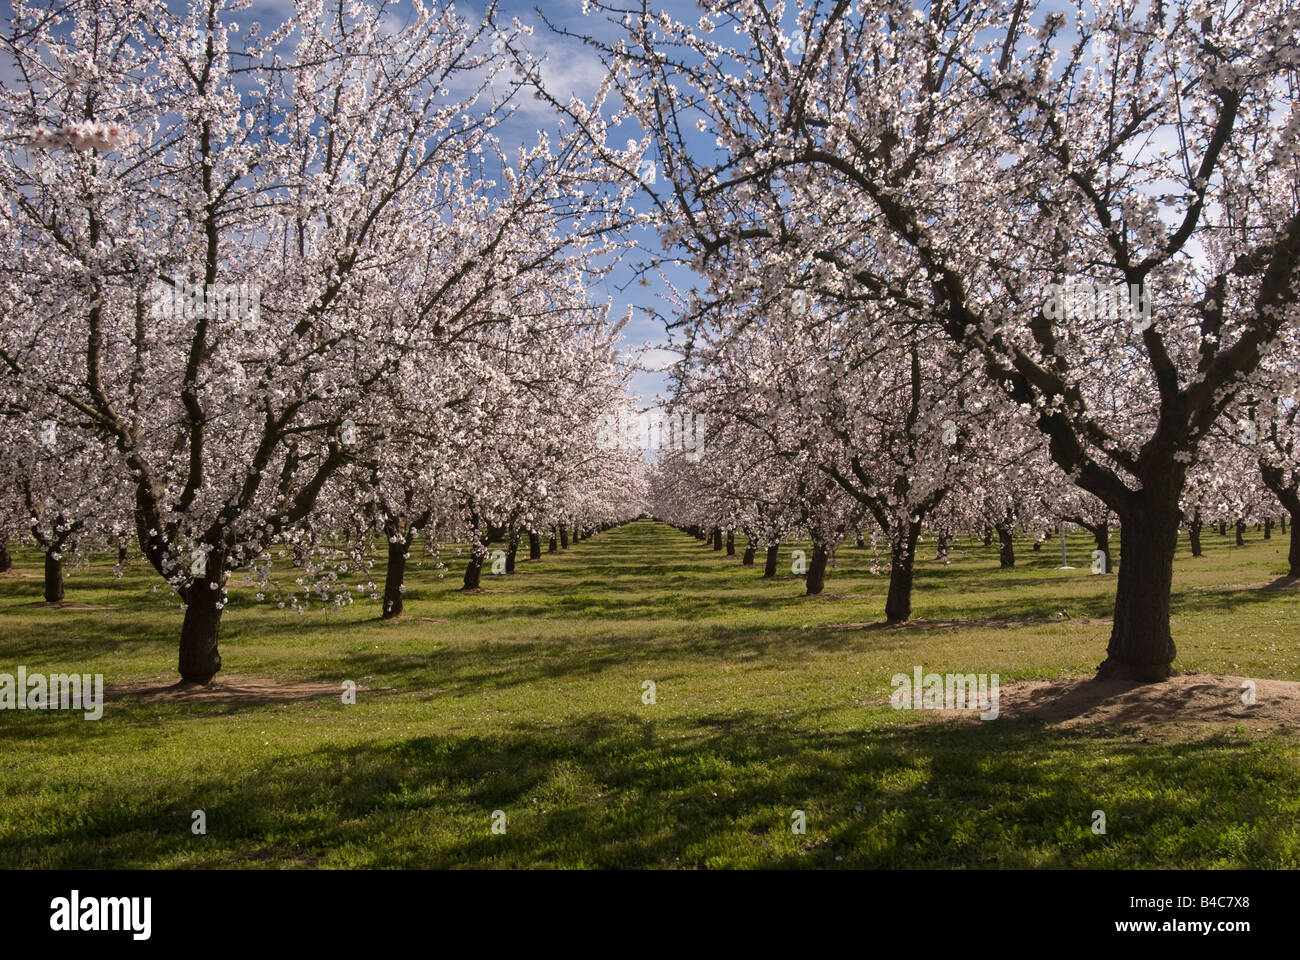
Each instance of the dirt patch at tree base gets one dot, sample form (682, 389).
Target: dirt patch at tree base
(238, 689)
(1183, 704)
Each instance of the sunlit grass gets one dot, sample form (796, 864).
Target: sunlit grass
(528, 699)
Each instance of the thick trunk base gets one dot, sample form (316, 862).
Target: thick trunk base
(53, 579)
(200, 660)
(816, 577)
(1141, 647)
(473, 573)
(902, 556)
(1006, 549)
(394, 580)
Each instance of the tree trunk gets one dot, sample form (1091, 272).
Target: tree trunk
(816, 577)
(988, 536)
(1006, 547)
(395, 577)
(941, 552)
(1223, 528)
(564, 537)
(474, 569)
(731, 543)
(1194, 533)
(534, 545)
(1101, 537)
(1038, 544)
(550, 544)
(1141, 647)
(1268, 529)
(53, 577)
(122, 554)
(902, 557)
(1289, 497)
(769, 567)
(860, 542)
(747, 558)
(6, 561)
(717, 538)
(200, 660)
(1241, 530)
(512, 550)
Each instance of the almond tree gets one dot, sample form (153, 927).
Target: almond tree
(1071, 199)
(235, 267)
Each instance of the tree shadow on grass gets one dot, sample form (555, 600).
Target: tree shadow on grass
(625, 790)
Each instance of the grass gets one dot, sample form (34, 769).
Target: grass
(527, 699)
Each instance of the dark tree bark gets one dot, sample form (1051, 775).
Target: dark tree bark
(1289, 496)
(860, 542)
(6, 561)
(551, 546)
(1141, 647)
(534, 545)
(1268, 529)
(815, 580)
(902, 558)
(53, 577)
(474, 570)
(1194, 533)
(944, 542)
(1223, 528)
(769, 566)
(200, 659)
(717, 538)
(512, 551)
(122, 554)
(1101, 537)
(564, 537)
(1241, 531)
(395, 577)
(1006, 545)
(731, 543)
(747, 558)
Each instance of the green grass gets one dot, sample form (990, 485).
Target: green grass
(528, 699)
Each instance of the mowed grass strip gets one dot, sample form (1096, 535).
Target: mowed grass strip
(528, 699)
